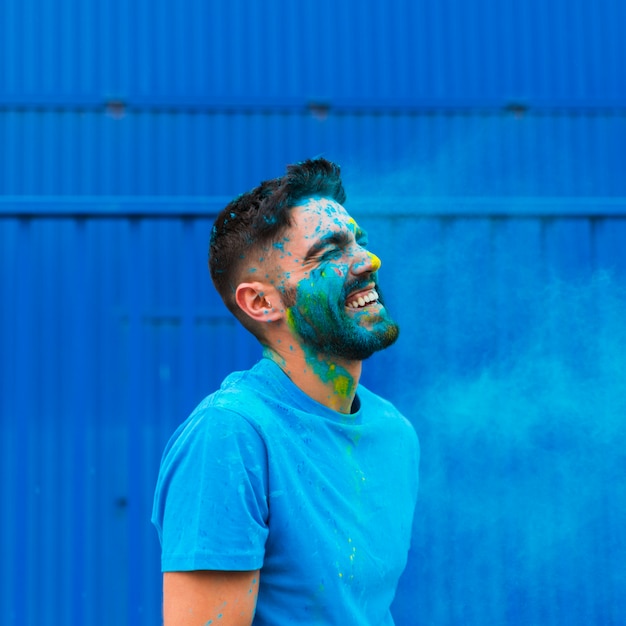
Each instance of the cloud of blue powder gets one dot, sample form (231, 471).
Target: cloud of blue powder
(511, 364)
(523, 505)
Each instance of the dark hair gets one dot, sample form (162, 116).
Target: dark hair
(256, 220)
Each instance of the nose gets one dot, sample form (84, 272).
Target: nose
(376, 262)
(367, 262)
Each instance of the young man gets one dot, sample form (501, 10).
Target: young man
(287, 497)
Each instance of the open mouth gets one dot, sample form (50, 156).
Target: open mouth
(363, 299)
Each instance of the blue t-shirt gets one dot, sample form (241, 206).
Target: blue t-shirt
(262, 476)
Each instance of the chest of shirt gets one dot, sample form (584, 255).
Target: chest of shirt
(340, 508)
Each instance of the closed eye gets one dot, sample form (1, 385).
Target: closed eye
(333, 250)
(327, 246)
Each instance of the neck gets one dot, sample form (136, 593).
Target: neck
(328, 380)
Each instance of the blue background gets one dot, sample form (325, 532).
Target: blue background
(482, 145)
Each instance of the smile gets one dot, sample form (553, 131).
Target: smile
(362, 301)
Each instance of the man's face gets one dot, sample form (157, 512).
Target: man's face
(327, 279)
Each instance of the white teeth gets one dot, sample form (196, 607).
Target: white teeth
(361, 301)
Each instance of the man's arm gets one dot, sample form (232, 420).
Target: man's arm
(203, 597)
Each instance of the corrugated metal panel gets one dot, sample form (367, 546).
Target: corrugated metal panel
(99, 336)
(510, 365)
(511, 358)
(558, 52)
(51, 153)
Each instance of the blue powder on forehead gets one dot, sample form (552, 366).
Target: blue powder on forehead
(330, 207)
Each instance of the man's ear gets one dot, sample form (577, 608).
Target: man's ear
(259, 302)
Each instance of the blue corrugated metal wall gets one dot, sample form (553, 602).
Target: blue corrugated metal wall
(510, 366)
(565, 52)
(432, 154)
(482, 145)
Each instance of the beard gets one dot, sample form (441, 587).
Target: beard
(325, 327)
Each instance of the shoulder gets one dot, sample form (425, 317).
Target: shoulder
(238, 411)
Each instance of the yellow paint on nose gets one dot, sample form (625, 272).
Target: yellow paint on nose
(376, 262)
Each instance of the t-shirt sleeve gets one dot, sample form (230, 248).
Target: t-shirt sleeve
(210, 506)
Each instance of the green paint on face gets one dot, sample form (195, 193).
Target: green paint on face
(328, 372)
(332, 265)
(317, 314)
